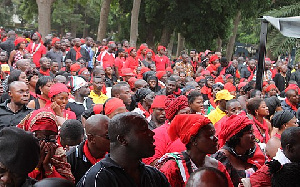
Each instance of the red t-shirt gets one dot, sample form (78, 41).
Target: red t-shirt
(131, 63)
(161, 62)
(107, 59)
(120, 63)
(37, 50)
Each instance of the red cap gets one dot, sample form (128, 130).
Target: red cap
(241, 84)
(98, 108)
(82, 41)
(159, 101)
(160, 74)
(199, 78)
(160, 47)
(230, 87)
(270, 87)
(112, 105)
(55, 40)
(127, 72)
(131, 82)
(228, 76)
(19, 40)
(75, 67)
(292, 87)
(213, 58)
(81, 70)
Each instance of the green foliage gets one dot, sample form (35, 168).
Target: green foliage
(6, 12)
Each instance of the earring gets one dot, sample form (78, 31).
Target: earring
(195, 144)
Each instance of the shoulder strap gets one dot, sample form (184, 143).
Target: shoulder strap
(188, 162)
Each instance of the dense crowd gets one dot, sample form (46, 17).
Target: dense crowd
(78, 112)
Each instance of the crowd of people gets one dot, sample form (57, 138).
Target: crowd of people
(78, 112)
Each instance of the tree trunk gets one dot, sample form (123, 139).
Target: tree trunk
(165, 37)
(134, 27)
(230, 46)
(105, 7)
(44, 16)
(73, 29)
(180, 45)
(219, 44)
(171, 44)
(150, 36)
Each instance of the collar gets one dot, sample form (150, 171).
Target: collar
(294, 107)
(4, 105)
(281, 157)
(220, 111)
(93, 94)
(111, 163)
(88, 154)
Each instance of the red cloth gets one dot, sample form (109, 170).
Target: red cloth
(163, 144)
(98, 108)
(75, 67)
(46, 73)
(146, 113)
(36, 174)
(131, 63)
(199, 78)
(292, 87)
(120, 62)
(57, 89)
(257, 133)
(169, 69)
(207, 91)
(131, 82)
(78, 54)
(233, 125)
(218, 125)
(81, 70)
(160, 74)
(161, 62)
(88, 154)
(241, 84)
(251, 73)
(213, 58)
(37, 52)
(160, 47)
(19, 40)
(184, 126)
(55, 40)
(143, 70)
(211, 68)
(175, 105)
(261, 177)
(113, 104)
(294, 107)
(107, 59)
(270, 87)
(159, 101)
(230, 87)
(45, 124)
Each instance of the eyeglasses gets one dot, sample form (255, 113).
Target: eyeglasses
(48, 138)
(102, 136)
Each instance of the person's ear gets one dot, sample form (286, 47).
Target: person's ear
(122, 140)
(90, 138)
(226, 111)
(9, 93)
(290, 148)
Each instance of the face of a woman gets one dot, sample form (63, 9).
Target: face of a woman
(210, 82)
(273, 92)
(206, 141)
(185, 110)
(45, 89)
(215, 91)
(61, 99)
(23, 78)
(262, 109)
(33, 80)
(291, 123)
(247, 141)
(22, 45)
(197, 105)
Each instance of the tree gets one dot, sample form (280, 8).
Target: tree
(105, 6)
(44, 16)
(134, 26)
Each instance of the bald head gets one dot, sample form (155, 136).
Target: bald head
(23, 64)
(16, 84)
(60, 79)
(96, 123)
(140, 83)
(207, 177)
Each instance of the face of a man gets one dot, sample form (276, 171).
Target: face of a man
(170, 87)
(98, 84)
(3, 56)
(252, 64)
(19, 93)
(84, 90)
(125, 95)
(159, 115)
(140, 139)
(77, 42)
(293, 97)
(54, 67)
(267, 65)
(46, 64)
(57, 45)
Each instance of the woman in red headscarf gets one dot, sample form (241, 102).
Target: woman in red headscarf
(59, 95)
(198, 135)
(53, 161)
(271, 90)
(113, 106)
(238, 148)
(18, 53)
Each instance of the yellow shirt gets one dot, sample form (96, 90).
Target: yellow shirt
(216, 115)
(98, 99)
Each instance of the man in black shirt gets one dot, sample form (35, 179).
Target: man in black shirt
(93, 149)
(130, 141)
(14, 110)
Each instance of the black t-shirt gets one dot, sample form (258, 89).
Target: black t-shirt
(109, 174)
(79, 108)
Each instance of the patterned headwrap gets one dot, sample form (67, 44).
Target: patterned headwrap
(184, 126)
(233, 125)
(175, 105)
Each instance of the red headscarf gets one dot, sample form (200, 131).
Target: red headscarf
(159, 101)
(130, 49)
(233, 125)
(175, 105)
(230, 87)
(213, 58)
(75, 67)
(42, 119)
(112, 105)
(40, 36)
(292, 87)
(55, 40)
(19, 40)
(184, 126)
(81, 70)
(160, 47)
(98, 108)
(143, 70)
(160, 74)
(131, 82)
(270, 87)
(57, 89)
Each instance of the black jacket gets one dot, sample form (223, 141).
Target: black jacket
(296, 77)
(72, 54)
(78, 161)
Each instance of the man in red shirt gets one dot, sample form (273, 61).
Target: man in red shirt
(120, 62)
(161, 60)
(36, 48)
(107, 57)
